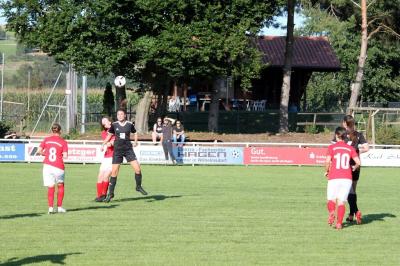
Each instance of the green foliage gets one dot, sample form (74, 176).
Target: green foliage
(4, 128)
(389, 135)
(150, 40)
(340, 23)
(311, 129)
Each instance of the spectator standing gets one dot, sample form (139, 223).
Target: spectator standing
(166, 139)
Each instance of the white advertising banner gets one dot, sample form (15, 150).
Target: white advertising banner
(191, 155)
(381, 157)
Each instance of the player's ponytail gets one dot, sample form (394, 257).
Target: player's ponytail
(340, 132)
(56, 128)
(350, 122)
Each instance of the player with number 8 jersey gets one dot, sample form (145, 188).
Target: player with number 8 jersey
(55, 150)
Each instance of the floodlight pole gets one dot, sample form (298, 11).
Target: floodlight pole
(2, 87)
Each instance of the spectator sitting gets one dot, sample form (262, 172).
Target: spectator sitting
(178, 132)
(157, 130)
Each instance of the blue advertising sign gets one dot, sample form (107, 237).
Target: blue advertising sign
(12, 152)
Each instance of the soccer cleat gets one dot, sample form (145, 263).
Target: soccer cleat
(61, 210)
(339, 226)
(331, 218)
(350, 218)
(358, 217)
(108, 197)
(141, 190)
(100, 199)
(51, 210)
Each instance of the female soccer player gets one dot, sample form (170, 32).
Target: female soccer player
(359, 143)
(123, 149)
(55, 150)
(339, 173)
(106, 163)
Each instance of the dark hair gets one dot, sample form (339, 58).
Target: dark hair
(351, 131)
(56, 128)
(341, 133)
(121, 110)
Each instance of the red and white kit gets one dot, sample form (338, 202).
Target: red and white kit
(340, 172)
(53, 163)
(106, 162)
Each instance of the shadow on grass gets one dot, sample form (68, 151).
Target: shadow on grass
(373, 217)
(93, 208)
(51, 258)
(151, 198)
(33, 215)
(20, 215)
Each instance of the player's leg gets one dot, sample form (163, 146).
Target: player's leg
(99, 184)
(113, 182)
(331, 193)
(131, 158)
(343, 193)
(103, 179)
(60, 190)
(352, 199)
(49, 182)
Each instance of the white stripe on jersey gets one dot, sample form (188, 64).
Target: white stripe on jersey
(52, 142)
(341, 148)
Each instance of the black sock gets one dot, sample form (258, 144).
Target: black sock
(138, 179)
(112, 184)
(352, 199)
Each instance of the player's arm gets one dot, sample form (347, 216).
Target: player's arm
(135, 139)
(358, 163)
(40, 151)
(327, 164)
(65, 151)
(363, 146)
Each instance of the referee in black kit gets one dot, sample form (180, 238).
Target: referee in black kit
(122, 130)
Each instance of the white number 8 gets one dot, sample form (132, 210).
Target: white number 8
(52, 154)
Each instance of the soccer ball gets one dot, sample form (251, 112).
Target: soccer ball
(120, 81)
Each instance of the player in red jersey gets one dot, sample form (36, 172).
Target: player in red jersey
(55, 150)
(106, 163)
(339, 173)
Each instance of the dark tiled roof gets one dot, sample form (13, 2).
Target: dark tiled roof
(313, 53)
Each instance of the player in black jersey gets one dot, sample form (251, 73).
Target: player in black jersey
(122, 130)
(358, 141)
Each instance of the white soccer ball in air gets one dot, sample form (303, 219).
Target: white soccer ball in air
(120, 81)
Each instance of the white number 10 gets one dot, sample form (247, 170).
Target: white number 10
(342, 160)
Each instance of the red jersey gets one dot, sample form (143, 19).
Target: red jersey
(341, 153)
(53, 148)
(110, 150)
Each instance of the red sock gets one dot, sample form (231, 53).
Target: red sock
(60, 194)
(340, 213)
(99, 189)
(50, 196)
(331, 206)
(105, 187)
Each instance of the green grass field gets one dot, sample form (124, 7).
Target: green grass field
(202, 215)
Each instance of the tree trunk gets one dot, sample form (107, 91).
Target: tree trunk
(357, 83)
(287, 71)
(214, 112)
(142, 113)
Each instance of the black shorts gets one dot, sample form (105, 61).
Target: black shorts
(355, 175)
(119, 155)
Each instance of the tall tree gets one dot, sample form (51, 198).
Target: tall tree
(287, 70)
